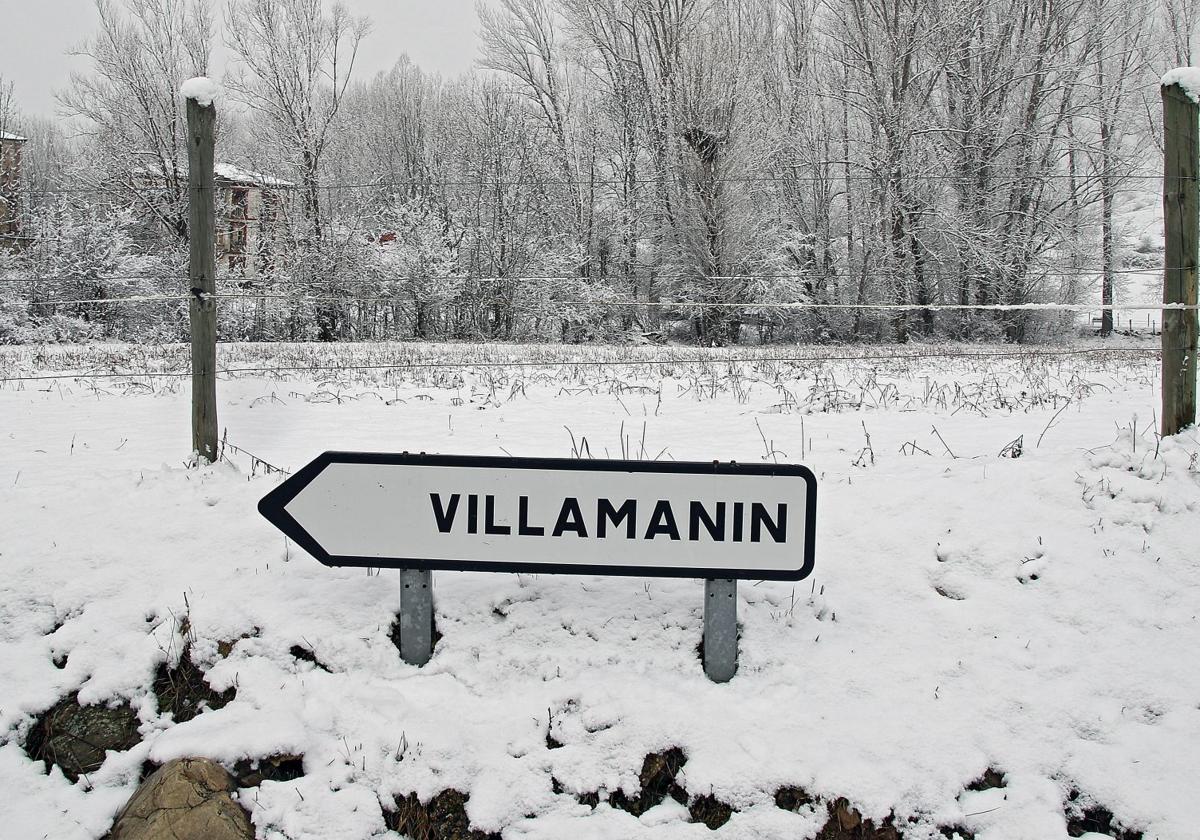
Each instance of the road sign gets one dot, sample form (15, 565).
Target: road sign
(551, 515)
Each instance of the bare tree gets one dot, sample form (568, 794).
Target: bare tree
(386, 131)
(1115, 35)
(722, 155)
(893, 49)
(1178, 19)
(295, 66)
(8, 106)
(520, 39)
(10, 181)
(605, 39)
(129, 103)
(1010, 98)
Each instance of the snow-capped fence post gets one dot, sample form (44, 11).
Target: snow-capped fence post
(720, 629)
(202, 271)
(1181, 214)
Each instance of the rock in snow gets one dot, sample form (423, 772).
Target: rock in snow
(201, 88)
(77, 737)
(185, 799)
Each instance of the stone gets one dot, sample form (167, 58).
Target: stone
(185, 799)
(76, 738)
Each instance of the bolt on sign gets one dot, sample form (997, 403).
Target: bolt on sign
(672, 519)
(718, 521)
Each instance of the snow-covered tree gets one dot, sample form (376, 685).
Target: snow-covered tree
(82, 255)
(128, 103)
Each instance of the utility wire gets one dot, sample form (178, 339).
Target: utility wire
(783, 305)
(666, 278)
(111, 301)
(390, 183)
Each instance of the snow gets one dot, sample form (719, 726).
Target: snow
(244, 176)
(967, 611)
(1187, 78)
(201, 88)
(4, 135)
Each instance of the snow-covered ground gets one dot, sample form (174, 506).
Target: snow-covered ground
(1033, 615)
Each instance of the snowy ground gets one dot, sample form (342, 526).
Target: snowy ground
(1035, 615)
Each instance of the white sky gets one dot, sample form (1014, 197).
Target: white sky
(439, 35)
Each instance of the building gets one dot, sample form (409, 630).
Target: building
(251, 212)
(10, 182)
(251, 209)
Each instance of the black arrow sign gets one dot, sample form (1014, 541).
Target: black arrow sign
(551, 515)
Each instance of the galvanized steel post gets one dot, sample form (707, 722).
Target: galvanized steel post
(416, 616)
(720, 629)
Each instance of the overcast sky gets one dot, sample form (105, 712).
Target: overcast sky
(439, 35)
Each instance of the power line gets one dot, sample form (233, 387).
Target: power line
(783, 305)
(111, 301)
(371, 278)
(85, 279)
(390, 183)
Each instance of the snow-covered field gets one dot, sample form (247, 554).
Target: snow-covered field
(1032, 615)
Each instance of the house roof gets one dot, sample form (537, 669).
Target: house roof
(227, 174)
(4, 135)
(237, 175)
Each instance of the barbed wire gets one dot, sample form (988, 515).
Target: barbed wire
(255, 461)
(575, 363)
(998, 307)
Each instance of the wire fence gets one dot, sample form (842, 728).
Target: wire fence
(290, 291)
(370, 287)
(1040, 353)
(256, 463)
(602, 306)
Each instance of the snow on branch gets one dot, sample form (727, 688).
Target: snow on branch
(201, 88)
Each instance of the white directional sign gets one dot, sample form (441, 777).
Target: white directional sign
(673, 519)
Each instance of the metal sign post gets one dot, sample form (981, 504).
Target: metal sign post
(711, 521)
(720, 629)
(416, 615)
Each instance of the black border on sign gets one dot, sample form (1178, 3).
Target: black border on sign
(273, 505)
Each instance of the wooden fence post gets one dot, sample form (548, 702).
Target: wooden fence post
(1181, 214)
(201, 119)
